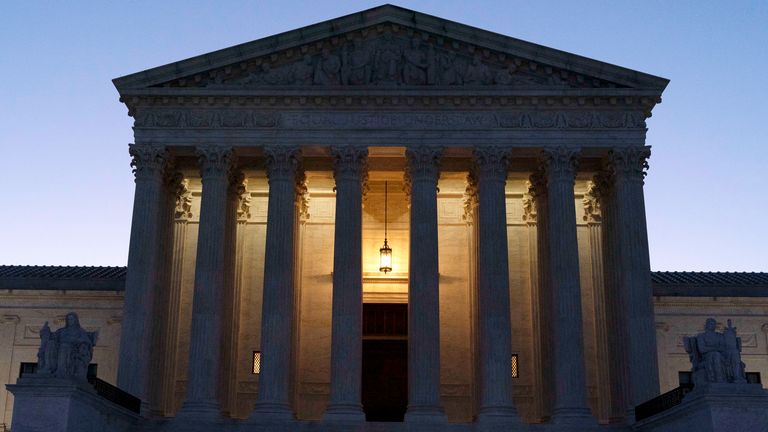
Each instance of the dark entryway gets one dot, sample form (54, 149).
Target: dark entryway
(385, 362)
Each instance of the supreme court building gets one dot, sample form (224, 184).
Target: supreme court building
(506, 178)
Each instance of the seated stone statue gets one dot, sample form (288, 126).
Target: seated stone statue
(715, 357)
(67, 352)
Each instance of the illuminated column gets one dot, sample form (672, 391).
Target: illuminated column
(278, 299)
(347, 342)
(423, 288)
(144, 269)
(539, 321)
(593, 218)
(562, 268)
(211, 265)
(182, 214)
(631, 275)
(490, 166)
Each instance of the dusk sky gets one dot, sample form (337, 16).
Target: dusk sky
(66, 188)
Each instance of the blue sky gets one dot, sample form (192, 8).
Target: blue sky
(66, 189)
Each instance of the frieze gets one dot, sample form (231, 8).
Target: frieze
(391, 56)
(247, 119)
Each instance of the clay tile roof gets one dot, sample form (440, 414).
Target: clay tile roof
(710, 284)
(710, 278)
(62, 272)
(16, 277)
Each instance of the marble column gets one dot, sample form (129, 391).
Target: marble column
(616, 335)
(490, 169)
(211, 265)
(539, 321)
(626, 168)
(570, 404)
(424, 404)
(593, 218)
(277, 315)
(181, 215)
(241, 211)
(347, 335)
(145, 261)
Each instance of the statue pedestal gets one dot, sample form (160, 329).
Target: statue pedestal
(48, 404)
(714, 408)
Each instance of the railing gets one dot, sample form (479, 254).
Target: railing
(115, 395)
(662, 402)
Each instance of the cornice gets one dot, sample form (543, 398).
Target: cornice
(291, 98)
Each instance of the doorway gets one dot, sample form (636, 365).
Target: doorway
(385, 362)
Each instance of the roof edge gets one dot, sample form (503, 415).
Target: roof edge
(398, 15)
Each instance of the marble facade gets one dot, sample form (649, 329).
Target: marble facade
(516, 217)
(387, 94)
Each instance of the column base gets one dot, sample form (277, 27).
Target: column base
(271, 412)
(499, 415)
(580, 418)
(425, 414)
(205, 411)
(344, 413)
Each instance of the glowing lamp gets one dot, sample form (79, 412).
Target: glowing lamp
(385, 252)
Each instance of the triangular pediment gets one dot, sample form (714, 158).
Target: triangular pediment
(387, 47)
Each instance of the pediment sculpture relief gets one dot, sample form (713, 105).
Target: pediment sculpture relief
(392, 59)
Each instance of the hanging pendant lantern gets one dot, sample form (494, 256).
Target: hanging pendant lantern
(385, 252)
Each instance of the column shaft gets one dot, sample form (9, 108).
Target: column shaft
(346, 342)
(493, 288)
(559, 166)
(423, 289)
(617, 338)
(633, 273)
(144, 270)
(278, 298)
(168, 348)
(211, 266)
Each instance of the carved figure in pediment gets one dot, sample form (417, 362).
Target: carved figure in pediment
(557, 81)
(271, 76)
(328, 69)
(450, 69)
(511, 76)
(505, 76)
(303, 72)
(358, 64)
(477, 72)
(387, 61)
(416, 64)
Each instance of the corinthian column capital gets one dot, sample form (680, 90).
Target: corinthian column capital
(282, 162)
(349, 162)
(423, 163)
(148, 160)
(491, 163)
(215, 160)
(628, 162)
(559, 163)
